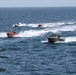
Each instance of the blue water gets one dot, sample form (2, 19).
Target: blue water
(29, 53)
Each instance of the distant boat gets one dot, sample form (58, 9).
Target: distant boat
(55, 38)
(11, 34)
(17, 24)
(39, 25)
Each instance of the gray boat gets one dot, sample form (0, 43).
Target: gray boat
(55, 38)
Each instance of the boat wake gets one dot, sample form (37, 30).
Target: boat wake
(53, 24)
(31, 33)
(48, 28)
(3, 34)
(70, 39)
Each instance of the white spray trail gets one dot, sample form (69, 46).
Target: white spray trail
(31, 33)
(70, 39)
(3, 34)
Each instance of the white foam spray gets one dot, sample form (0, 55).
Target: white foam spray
(3, 34)
(31, 33)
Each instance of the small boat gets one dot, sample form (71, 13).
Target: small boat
(16, 24)
(39, 25)
(11, 34)
(55, 38)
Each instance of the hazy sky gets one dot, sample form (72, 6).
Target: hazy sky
(37, 3)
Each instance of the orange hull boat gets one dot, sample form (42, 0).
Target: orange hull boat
(11, 34)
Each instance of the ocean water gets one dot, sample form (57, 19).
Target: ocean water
(29, 53)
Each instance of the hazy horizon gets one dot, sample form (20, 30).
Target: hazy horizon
(38, 3)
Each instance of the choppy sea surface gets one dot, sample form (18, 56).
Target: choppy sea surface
(29, 53)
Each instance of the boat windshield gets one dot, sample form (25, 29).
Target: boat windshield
(55, 35)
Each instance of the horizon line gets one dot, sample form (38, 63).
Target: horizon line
(39, 7)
